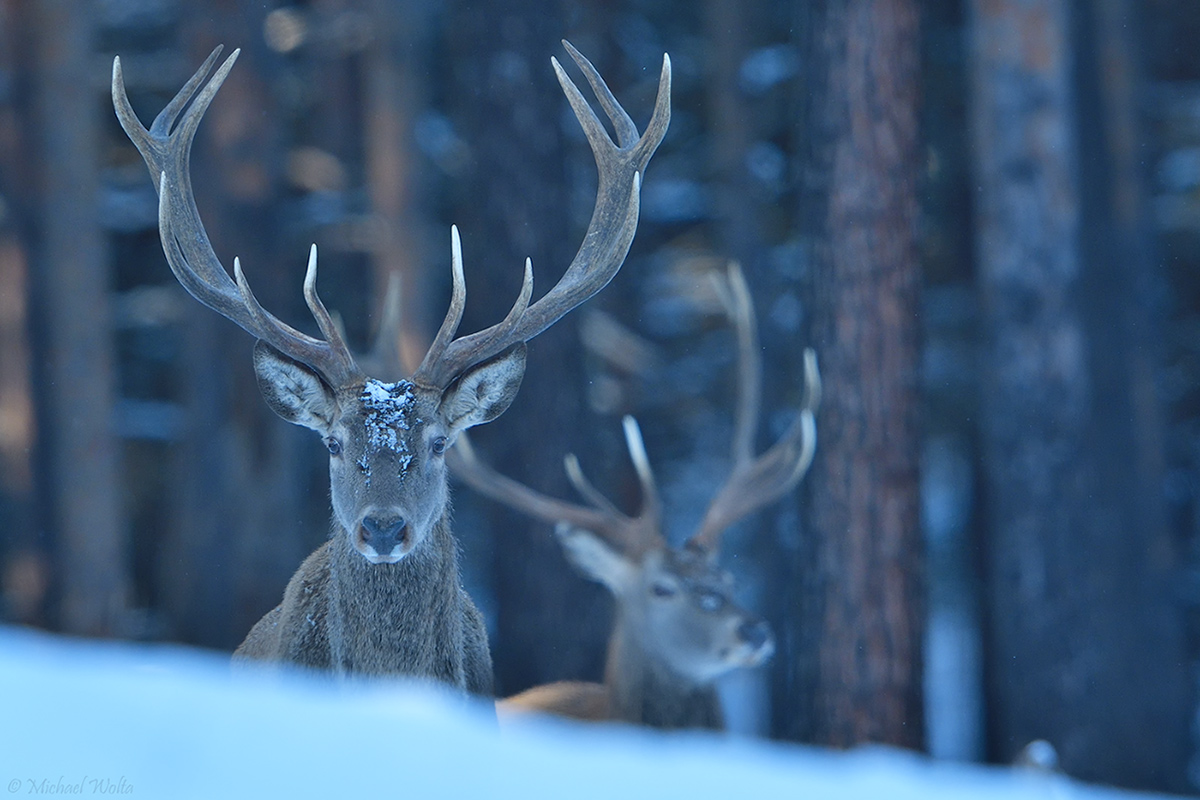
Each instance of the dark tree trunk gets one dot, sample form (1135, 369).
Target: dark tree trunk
(80, 451)
(24, 555)
(858, 625)
(551, 624)
(1083, 648)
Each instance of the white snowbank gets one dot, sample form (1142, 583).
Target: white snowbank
(156, 722)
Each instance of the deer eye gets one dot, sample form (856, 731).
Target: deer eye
(439, 445)
(662, 590)
(335, 447)
(710, 601)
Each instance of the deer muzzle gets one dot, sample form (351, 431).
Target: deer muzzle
(383, 540)
(755, 634)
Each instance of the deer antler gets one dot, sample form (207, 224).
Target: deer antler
(755, 482)
(167, 147)
(605, 245)
(633, 535)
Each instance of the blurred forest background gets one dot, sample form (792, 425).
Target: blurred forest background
(983, 214)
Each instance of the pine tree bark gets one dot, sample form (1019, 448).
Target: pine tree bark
(860, 612)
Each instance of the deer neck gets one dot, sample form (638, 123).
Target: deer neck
(646, 691)
(397, 618)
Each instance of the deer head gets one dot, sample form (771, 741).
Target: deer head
(676, 603)
(387, 440)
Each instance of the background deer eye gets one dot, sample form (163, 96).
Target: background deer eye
(662, 590)
(335, 447)
(439, 445)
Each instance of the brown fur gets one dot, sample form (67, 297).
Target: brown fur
(644, 690)
(575, 699)
(637, 690)
(343, 614)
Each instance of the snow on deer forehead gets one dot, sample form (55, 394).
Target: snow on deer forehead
(389, 409)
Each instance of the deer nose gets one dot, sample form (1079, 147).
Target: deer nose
(384, 534)
(755, 633)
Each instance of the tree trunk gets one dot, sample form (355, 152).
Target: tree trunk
(1083, 648)
(80, 451)
(24, 555)
(858, 622)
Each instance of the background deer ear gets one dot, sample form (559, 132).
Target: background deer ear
(293, 390)
(483, 392)
(595, 558)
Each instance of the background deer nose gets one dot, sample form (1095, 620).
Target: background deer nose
(384, 534)
(755, 633)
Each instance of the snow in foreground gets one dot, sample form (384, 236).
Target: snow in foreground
(124, 720)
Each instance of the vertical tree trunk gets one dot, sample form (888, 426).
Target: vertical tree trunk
(551, 624)
(860, 614)
(24, 561)
(80, 453)
(1084, 649)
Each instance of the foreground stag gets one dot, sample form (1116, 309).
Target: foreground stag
(383, 595)
(677, 628)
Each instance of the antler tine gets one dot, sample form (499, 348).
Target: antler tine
(651, 504)
(148, 141)
(458, 301)
(586, 488)
(735, 295)
(606, 243)
(166, 148)
(626, 131)
(606, 521)
(331, 332)
(765, 479)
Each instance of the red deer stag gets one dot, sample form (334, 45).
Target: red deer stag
(383, 596)
(676, 628)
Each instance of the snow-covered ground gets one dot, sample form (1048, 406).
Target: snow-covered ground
(83, 719)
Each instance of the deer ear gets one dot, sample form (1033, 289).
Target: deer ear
(293, 390)
(595, 558)
(484, 392)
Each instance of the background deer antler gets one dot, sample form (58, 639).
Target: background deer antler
(755, 482)
(633, 535)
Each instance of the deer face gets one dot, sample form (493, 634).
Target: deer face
(386, 442)
(677, 604)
